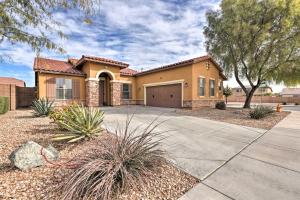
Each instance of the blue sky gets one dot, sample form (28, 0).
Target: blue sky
(145, 34)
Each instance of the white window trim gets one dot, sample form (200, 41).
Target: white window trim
(63, 89)
(181, 81)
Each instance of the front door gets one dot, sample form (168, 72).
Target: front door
(101, 92)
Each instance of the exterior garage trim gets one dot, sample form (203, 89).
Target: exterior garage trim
(181, 81)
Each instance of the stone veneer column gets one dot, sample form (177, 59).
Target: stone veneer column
(115, 88)
(92, 93)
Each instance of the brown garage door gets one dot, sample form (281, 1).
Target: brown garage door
(164, 96)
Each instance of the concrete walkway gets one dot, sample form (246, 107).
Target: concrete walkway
(269, 168)
(198, 146)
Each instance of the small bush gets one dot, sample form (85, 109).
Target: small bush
(260, 112)
(284, 103)
(221, 105)
(81, 122)
(58, 114)
(42, 107)
(115, 165)
(4, 103)
(296, 104)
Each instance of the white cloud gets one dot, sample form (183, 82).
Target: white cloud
(143, 33)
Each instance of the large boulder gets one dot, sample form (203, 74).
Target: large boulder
(29, 155)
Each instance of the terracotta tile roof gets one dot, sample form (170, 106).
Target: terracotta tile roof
(55, 66)
(73, 61)
(12, 81)
(184, 63)
(127, 71)
(101, 60)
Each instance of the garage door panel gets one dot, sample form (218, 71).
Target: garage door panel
(164, 96)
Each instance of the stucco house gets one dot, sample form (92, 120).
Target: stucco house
(262, 90)
(97, 81)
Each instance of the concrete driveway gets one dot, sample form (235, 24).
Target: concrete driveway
(198, 146)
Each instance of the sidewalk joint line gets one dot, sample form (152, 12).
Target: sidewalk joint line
(217, 191)
(266, 162)
(253, 141)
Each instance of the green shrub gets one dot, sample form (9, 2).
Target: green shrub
(42, 107)
(260, 112)
(81, 122)
(121, 162)
(4, 104)
(284, 103)
(221, 105)
(57, 114)
(296, 104)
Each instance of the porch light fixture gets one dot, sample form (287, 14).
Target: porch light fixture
(186, 84)
(207, 65)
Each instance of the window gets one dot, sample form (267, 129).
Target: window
(126, 91)
(212, 88)
(63, 88)
(201, 86)
(220, 85)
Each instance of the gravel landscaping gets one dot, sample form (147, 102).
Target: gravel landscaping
(18, 127)
(236, 116)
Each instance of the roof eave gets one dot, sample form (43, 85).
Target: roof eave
(57, 72)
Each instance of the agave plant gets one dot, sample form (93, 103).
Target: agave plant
(82, 123)
(42, 107)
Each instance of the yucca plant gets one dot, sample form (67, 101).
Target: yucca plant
(42, 107)
(121, 162)
(80, 122)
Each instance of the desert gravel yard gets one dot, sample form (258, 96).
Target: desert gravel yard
(18, 127)
(236, 116)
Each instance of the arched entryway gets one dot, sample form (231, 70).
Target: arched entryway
(104, 89)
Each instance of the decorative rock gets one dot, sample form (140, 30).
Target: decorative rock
(29, 155)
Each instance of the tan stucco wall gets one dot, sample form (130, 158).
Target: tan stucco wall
(189, 74)
(200, 70)
(42, 77)
(92, 68)
(180, 73)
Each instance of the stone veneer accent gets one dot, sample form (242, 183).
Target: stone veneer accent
(115, 88)
(92, 93)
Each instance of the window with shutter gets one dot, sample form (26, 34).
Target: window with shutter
(64, 88)
(76, 89)
(50, 88)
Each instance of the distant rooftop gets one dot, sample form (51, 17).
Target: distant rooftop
(12, 81)
(290, 91)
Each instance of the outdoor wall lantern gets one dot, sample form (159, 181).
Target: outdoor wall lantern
(207, 65)
(186, 84)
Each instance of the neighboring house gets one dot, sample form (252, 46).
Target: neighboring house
(97, 81)
(12, 81)
(263, 90)
(290, 92)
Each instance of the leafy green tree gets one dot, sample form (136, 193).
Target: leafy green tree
(227, 92)
(256, 41)
(31, 21)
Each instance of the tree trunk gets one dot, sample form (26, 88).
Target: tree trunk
(249, 97)
(226, 99)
